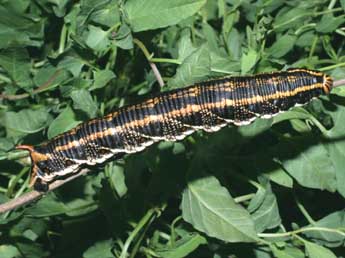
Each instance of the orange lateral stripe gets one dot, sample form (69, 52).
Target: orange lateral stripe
(187, 110)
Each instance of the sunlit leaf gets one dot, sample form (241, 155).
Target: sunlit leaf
(152, 14)
(210, 208)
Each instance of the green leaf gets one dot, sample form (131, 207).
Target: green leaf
(152, 14)
(282, 46)
(329, 23)
(117, 179)
(340, 91)
(280, 177)
(337, 147)
(82, 100)
(50, 77)
(9, 251)
(59, 7)
(79, 207)
(31, 249)
(102, 78)
(337, 131)
(194, 68)
(210, 208)
(334, 220)
(337, 155)
(182, 247)
(5, 144)
(312, 167)
(234, 44)
(97, 39)
(124, 38)
(26, 121)
(47, 206)
(72, 64)
(248, 61)
(108, 15)
(230, 20)
(342, 3)
(306, 39)
(65, 121)
(259, 126)
(185, 47)
(100, 249)
(16, 62)
(280, 254)
(264, 162)
(295, 113)
(287, 252)
(316, 251)
(290, 18)
(17, 28)
(211, 37)
(224, 65)
(18, 6)
(266, 213)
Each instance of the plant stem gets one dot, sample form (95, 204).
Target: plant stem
(304, 211)
(62, 39)
(244, 198)
(114, 27)
(149, 59)
(151, 213)
(330, 67)
(143, 48)
(5, 78)
(328, 11)
(319, 125)
(166, 60)
(305, 14)
(340, 32)
(15, 181)
(137, 244)
(305, 27)
(302, 230)
(34, 195)
(13, 155)
(248, 180)
(313, 46)
(107, 171)
(332, 4)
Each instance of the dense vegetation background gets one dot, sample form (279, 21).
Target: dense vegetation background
(275, 188)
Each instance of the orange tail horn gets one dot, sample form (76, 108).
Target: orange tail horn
(31, 149)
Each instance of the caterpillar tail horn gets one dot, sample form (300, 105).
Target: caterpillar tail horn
(34, 158)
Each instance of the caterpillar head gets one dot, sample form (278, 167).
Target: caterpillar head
(46, 167)
(327, 83)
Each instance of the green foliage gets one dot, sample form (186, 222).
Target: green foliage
(274, 188)
(209, 207)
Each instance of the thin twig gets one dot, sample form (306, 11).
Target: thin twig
(157, 74)
(338, 83)
(34, 195)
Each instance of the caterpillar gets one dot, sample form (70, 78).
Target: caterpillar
(172, 115)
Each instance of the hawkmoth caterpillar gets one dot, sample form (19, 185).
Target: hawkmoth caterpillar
(173, 115)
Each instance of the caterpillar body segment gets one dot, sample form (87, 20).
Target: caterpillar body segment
(173, 115)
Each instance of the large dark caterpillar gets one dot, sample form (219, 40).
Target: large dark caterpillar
(172, 116)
